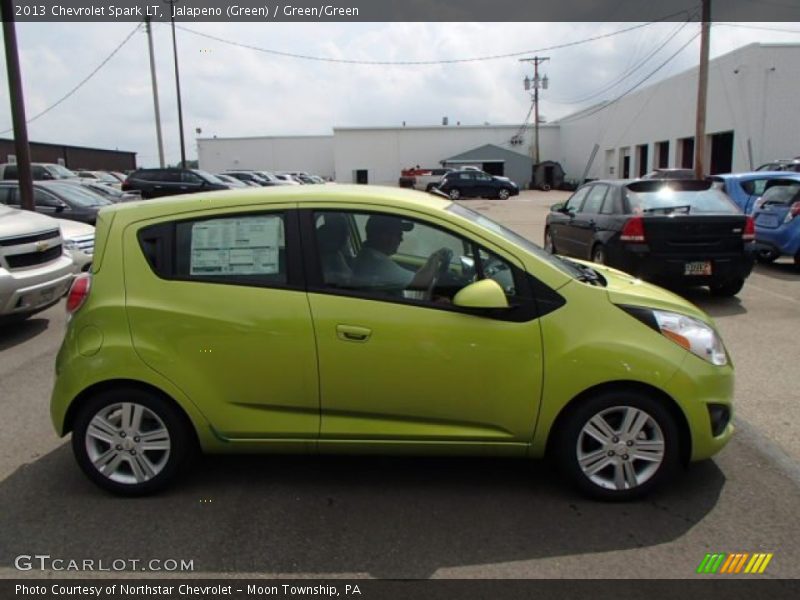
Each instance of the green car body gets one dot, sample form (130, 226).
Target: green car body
(298, 370)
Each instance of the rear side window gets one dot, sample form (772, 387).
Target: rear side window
(234, 249)
(754, 187)
(10, 172)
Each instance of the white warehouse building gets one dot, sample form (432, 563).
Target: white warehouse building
(752, 118)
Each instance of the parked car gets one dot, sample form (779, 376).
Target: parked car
(35, 271)
(39, 171)
(102, 176)
(61, 199)
(109, 192)
(783, 164)
(79, 242)
(777, 220)
(286, 179)
(232, 181)
(746, 188)
(669, 174)
(681, 231)
(249, 178)
(367, 319)
(155, 183)
(476, 184)
(422, 179)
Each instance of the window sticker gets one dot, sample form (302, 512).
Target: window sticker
(246, 246)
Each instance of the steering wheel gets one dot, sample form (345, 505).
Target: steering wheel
(443, 258)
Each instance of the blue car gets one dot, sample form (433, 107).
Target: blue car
(746, 188)
(777, 219)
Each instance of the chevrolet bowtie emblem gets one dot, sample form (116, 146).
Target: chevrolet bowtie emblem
(41, 246)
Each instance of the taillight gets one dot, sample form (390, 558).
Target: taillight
(633, 230)
(126, 187)
(79, 292)
(749, 233)
(794, 211)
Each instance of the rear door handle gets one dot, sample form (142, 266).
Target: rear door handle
(351, 333)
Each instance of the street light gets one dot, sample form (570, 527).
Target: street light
(177, 81)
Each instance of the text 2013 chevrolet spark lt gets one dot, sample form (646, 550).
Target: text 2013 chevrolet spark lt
(374, 320)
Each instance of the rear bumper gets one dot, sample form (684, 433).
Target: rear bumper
(670, 268)
(784, 239)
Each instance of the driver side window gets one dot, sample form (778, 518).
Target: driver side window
(576, 201)
(386, 256)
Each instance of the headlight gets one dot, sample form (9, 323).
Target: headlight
(70, 244)
(694, 335)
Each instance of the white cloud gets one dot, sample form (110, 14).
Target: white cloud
(234, 91)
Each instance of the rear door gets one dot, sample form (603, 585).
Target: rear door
(217, 305)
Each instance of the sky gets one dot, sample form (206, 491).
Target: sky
(235, 91)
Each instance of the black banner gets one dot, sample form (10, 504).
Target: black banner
(260, 11)
(366, 589)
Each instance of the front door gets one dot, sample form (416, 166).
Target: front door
(398, 362)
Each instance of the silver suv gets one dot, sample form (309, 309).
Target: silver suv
(35, 269)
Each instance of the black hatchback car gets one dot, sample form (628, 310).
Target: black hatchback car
(154, 183)
(476, 184)
(59, 199)
(670, 231)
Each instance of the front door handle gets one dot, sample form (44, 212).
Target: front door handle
(350, 333)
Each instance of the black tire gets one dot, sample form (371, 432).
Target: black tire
(613, 406)
(182, 442)
(797, 261)
(429, 187)
(454, 193)
(727, 288)
(503, 194)
(549, 244)
(599, 254)
(767, 256)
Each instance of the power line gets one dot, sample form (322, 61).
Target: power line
(628, 72)
(756, 27)
(81, 83)
(639, 84)
(328, 59)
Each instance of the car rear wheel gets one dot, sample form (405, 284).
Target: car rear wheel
(618, 445)
(599, 255)
(549, 245)
(454, 194)
(766, 256)
(130, 441)
(727, 288)
(503, 194)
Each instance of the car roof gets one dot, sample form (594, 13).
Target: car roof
(760, 175)
(389, 197)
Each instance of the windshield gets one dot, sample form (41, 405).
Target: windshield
(105, 190)
(208, 176)
(78, 196)
(666, 199)
(514, 238)
(61, 172)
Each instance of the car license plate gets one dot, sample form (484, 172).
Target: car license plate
(702, 267)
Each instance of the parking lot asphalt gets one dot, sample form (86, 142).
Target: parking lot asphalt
(392, 517)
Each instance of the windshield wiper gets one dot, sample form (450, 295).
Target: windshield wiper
(685, 208)
(587, 274)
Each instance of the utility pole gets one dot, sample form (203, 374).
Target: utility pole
(147, 27)
(17, 107)
(702, 92)
(177, 81)
(536, 83)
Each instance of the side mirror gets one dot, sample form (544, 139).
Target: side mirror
(47, 175)
(485, 294)
(558, 207)
(60, 207)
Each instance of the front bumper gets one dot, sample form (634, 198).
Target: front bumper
(26, 291)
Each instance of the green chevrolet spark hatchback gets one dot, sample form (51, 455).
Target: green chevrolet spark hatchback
(358, 319)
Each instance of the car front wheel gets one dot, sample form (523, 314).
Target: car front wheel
(130, 441)
(549, 245)
(618, 445)
(454, 194)
(503, 194)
